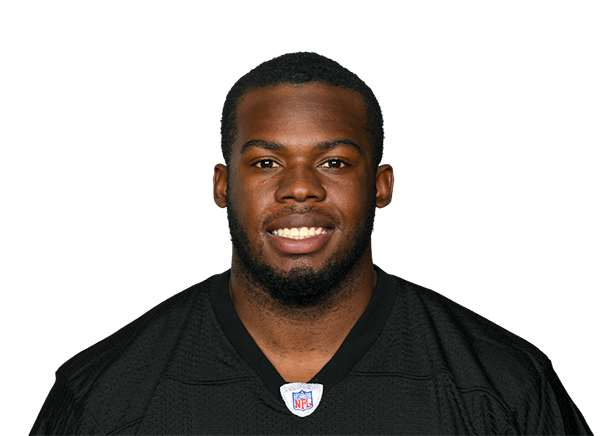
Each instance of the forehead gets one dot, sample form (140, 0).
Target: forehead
(301, 113)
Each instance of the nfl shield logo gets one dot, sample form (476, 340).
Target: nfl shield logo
(302, 400)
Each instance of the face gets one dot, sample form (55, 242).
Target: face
(300, 189)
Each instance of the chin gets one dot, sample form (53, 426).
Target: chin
(305, 283)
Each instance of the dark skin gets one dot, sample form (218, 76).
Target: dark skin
(301, 145)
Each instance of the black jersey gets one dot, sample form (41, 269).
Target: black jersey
(414, 363)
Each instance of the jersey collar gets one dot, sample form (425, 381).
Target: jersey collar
(360, 339)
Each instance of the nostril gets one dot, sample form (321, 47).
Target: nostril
(300, 188)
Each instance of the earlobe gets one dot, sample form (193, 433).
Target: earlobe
(220, 185)
(384, 183)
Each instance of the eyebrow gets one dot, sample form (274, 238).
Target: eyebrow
(320, 146)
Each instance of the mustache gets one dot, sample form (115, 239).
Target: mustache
(296, 209)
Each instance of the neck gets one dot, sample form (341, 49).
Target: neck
(299, 341)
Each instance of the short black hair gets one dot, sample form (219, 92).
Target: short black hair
(295, 69)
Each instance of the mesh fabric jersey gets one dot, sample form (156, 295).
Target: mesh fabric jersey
(414, 363)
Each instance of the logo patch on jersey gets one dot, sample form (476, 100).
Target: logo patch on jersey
(301, 399)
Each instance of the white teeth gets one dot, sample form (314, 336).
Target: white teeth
(300, 232)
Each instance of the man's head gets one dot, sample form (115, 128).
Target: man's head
(301, 68)
(301, 159)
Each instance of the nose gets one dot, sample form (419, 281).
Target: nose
(300, 183)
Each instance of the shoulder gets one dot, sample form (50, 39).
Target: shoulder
(475, 353)
(142, 333)
(471, 367)
(132, 360)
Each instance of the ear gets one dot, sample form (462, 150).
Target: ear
(220, 185)
(384, 182)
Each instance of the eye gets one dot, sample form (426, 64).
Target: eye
(334, 163)
(266, 163)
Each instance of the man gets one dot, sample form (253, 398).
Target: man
(304, 334)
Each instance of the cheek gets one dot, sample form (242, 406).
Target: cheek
(351, 198)
(250, 204)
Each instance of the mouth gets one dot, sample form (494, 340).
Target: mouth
(299, 244)
(303, 233)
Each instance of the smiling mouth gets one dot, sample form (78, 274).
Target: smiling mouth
(300, 232)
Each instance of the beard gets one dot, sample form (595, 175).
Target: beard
(301, 286)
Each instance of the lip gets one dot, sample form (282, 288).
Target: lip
(301, 220)
(299, 246)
